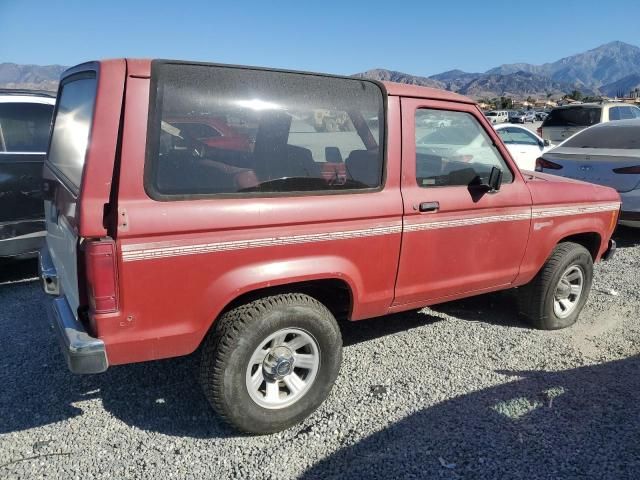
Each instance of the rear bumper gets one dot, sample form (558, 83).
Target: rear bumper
(83, 353)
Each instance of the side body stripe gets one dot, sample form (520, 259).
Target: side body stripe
(135, 252)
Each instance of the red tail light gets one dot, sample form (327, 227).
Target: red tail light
(539, 131)
(102, 284)
(542, 164)
(628, 170)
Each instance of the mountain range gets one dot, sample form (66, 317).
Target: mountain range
(612, 69)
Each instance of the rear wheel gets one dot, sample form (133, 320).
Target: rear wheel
(556, 295)
(270, 363)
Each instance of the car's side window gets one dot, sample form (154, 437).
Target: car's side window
(614, 113)
(223, 130)
(455, 150)
(519, 136)
(24, 127)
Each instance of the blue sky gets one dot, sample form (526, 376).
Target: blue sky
(342, 37)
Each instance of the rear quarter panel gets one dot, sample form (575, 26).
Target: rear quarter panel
(181, 262)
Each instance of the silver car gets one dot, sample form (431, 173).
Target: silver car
(606, 154)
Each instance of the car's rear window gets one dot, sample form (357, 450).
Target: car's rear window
(24, 127)
(71, 127)
(611, 136)
(271, 132)
(573, 117)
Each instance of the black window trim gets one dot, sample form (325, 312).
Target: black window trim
(79, 72)
(482, 127)
(153, 125)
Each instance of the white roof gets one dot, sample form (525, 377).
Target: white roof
(27, 99)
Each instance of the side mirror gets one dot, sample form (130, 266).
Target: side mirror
(546, 142)
(495, 179)
(492, 185)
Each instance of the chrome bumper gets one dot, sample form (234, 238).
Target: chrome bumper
(83, 353)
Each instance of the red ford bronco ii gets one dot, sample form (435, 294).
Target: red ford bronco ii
(162, 241)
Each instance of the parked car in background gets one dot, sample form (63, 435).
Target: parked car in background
(606, 154)
(497, 116)
(523, 117)
(541, 115)
(210, 131)
(155, 250)
(523, 145)
(563, 122)
(25, 118)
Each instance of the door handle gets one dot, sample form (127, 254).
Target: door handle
(429, 207)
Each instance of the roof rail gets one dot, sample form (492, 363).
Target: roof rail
(24, 91)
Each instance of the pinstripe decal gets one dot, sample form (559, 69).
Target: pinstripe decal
(464, 222)
(545, 212)
(132, 253)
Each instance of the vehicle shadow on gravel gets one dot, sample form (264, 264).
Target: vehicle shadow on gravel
(37, 389)
(627, 237)
(583, 422)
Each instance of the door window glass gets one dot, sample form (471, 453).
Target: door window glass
(457, 151)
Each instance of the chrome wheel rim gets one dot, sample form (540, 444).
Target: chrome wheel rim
(568, 292)
(282, 368)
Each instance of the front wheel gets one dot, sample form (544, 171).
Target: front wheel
(556, 295)
(269, 364)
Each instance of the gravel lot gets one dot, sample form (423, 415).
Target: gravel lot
(461, 391)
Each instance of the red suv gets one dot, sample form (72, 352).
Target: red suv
(159, 246)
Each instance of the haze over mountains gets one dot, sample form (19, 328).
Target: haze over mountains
(612, 69)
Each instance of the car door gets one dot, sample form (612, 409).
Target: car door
(24, 132)
(456, 239)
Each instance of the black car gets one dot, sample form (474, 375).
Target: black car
(25, 120)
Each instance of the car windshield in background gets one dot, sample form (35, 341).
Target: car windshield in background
(609, 136)
(573, 117)
(24, 127)
(225, 130)
(71, 127)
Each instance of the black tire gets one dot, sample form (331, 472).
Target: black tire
(229, 346)
(536, 299)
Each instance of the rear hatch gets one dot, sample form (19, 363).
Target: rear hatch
(563, 123)
(79, 167)
(596, 165)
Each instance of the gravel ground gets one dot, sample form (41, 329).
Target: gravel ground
(464, 390)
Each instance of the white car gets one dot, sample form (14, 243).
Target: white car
(523, 145)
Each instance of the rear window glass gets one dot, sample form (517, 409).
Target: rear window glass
(616, 137)
(573, 117)
(225, 130)
(24, 127)
(71, 127)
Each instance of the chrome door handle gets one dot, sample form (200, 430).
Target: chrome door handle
(428, 207)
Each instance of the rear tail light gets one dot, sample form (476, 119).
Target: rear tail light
(628, 170)
(542, 164)
(539, 131)
(102, 284)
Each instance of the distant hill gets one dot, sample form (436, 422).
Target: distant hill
(596, 71)
(30, 76)
(383, 75)
(594, 68)
(519, 84)
(623, 86)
